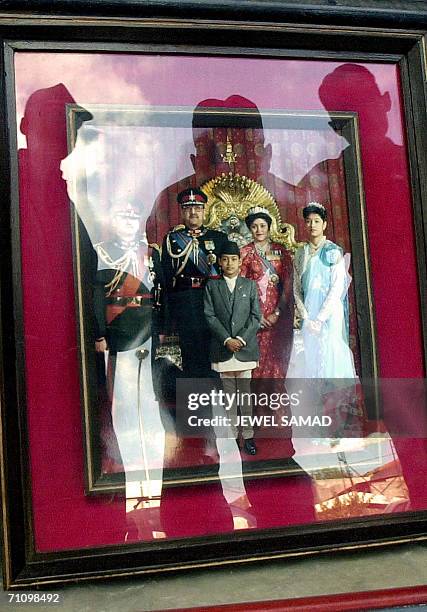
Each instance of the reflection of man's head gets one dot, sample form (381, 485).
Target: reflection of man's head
(208, 133)
(125, 220)
(44, 122)
(351, 87)
(192, 202)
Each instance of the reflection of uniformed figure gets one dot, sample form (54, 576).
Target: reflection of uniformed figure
(123, 304)
(189, 258)
(123, 286)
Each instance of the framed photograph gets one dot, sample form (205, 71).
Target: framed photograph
(326, 168)
(213, 290)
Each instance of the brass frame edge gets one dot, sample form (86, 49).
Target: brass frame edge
(365, 242)
(72, 139)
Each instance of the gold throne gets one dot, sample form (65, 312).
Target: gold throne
(230, 196)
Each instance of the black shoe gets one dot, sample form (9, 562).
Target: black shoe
(249, 446)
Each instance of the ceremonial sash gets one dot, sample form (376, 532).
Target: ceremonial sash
(268, 265)
(202, 264)
(129, 288)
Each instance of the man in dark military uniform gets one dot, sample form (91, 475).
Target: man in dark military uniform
(123, 289)
(124, 294)
(189, 258)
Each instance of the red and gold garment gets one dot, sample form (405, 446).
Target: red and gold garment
(273, 276)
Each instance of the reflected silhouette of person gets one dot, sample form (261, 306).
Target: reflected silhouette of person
(50, 327)
(253, 160)
(352, 87)
(209, 513)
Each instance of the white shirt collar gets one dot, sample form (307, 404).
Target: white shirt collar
(231, 282)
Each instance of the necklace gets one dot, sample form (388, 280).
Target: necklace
(314, 248)
(262, 248)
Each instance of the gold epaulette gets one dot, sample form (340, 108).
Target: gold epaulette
(155, 246)
(177, 228)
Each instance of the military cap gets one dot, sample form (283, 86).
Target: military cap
(191, 197)
(132, 211)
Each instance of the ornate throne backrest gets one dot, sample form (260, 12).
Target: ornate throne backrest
(230, 196)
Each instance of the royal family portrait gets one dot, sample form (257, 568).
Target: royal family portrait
(247, 272)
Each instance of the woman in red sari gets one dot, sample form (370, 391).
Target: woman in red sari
(270, 266)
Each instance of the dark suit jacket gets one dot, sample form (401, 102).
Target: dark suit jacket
(229, 321)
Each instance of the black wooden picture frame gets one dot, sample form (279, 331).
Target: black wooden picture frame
(253, 29)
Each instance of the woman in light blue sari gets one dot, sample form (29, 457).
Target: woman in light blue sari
(320, 348)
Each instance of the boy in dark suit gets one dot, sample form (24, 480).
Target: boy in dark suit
(233, 316)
